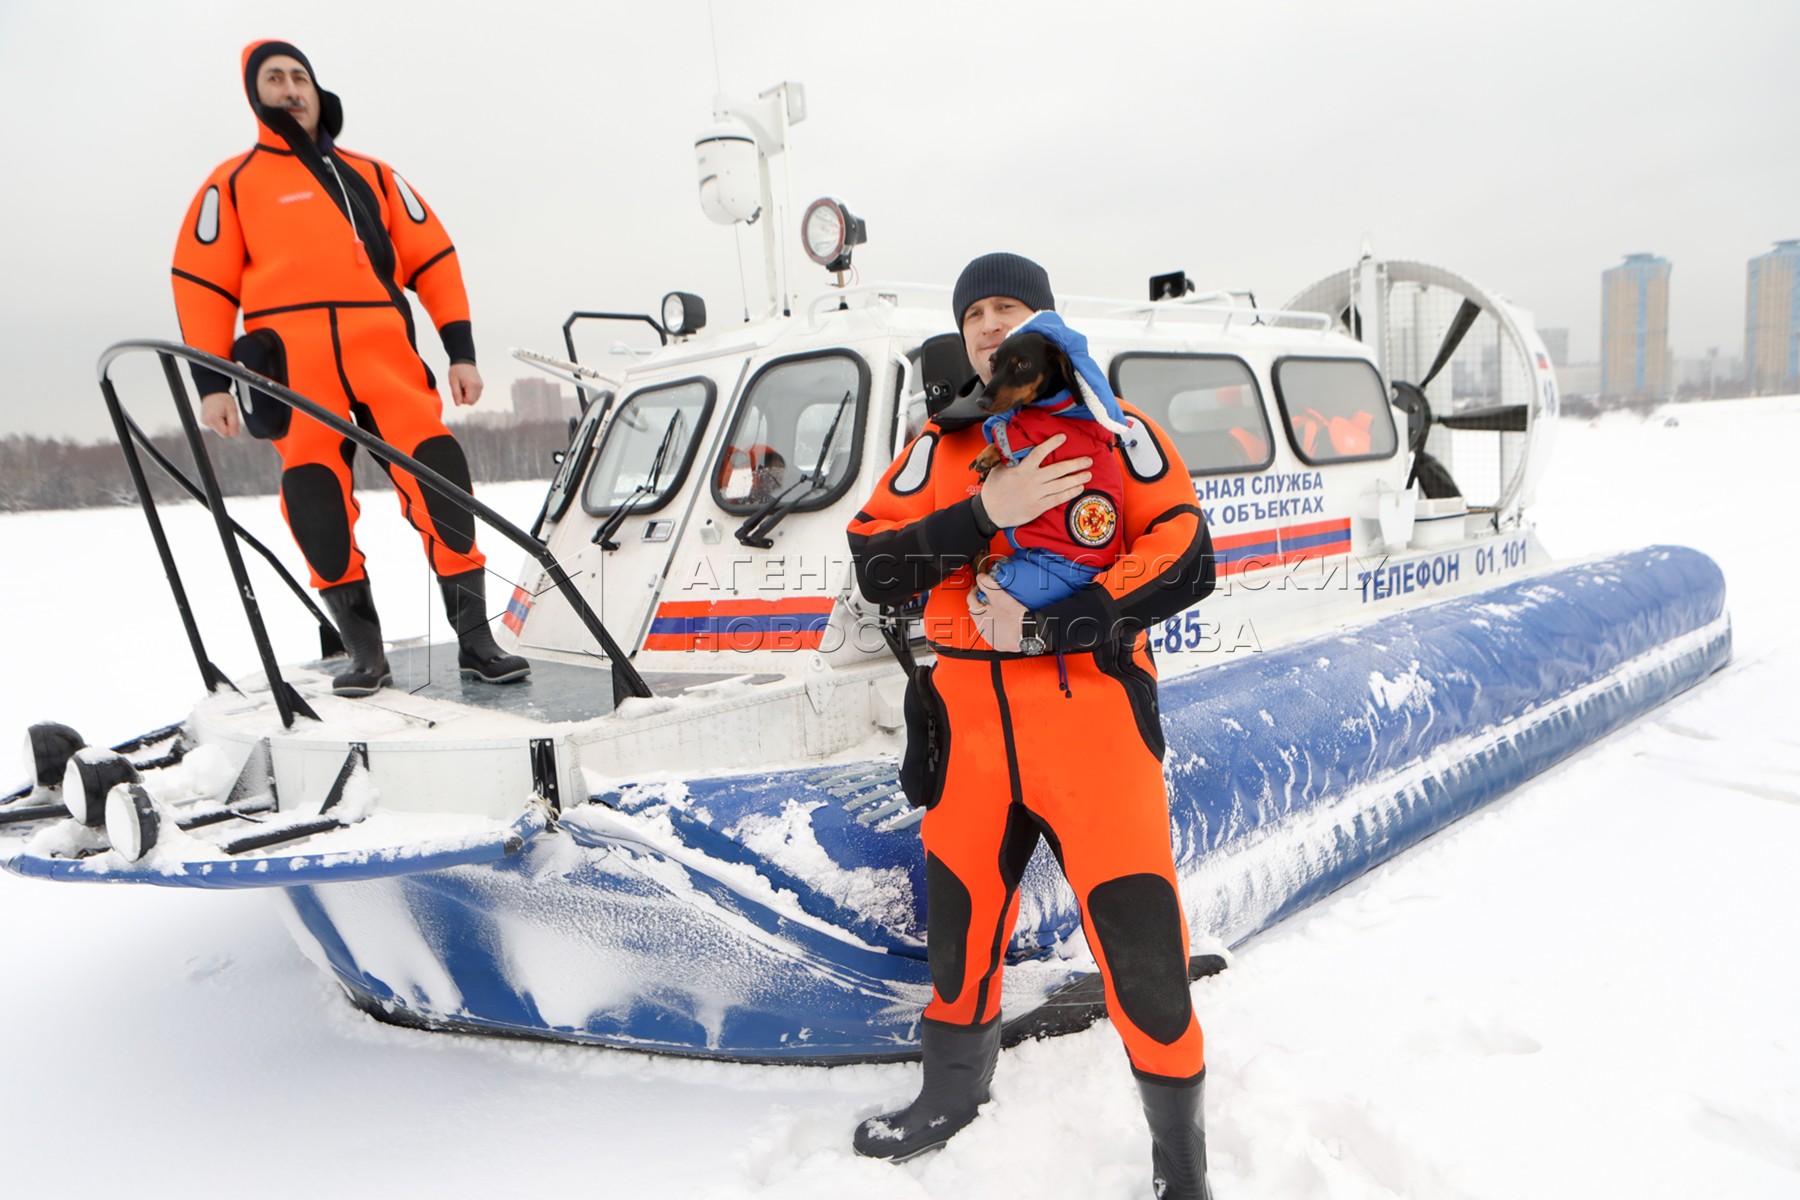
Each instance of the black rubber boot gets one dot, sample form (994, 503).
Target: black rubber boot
(352, 606)
(959, 1066)
(1177, 1137)
(465, 602)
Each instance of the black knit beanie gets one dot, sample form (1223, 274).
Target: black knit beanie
(1002, 274)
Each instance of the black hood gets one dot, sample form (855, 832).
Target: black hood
(331, 109)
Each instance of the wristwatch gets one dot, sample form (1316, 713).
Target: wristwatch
(1031, 641)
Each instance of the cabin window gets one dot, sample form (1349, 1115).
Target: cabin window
(648, 448)
(1209, 405)
(1335, 408)
(797, 436)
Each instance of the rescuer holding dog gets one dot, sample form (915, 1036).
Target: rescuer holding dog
(1039, 723)
(315, 243)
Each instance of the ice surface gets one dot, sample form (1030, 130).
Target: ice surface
(1586, 990)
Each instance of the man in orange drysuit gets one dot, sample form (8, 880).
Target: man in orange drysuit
(314, 243)
(1039, 723)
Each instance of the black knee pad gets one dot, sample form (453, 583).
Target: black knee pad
(318, 516)
(454, 525)
(948, 907)
(1137, 921)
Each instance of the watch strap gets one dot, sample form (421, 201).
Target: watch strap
(1031, 634)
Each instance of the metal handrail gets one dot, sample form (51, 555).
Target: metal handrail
(569, 325)
(586, 394)
(626, 680)
(330, 644)
(836, 299)
(1207, 306)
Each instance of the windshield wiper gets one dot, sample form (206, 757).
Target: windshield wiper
(757, 526)
(603, 535)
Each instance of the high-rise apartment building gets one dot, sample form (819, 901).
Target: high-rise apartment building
(1772, 320)
(1634, 328)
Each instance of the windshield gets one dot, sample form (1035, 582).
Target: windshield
(799, 417)
(648, 447)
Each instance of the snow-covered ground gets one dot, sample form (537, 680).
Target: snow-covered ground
(1589, 989)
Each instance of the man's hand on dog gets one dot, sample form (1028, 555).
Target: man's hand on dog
(1018, 494)
(1000, 620)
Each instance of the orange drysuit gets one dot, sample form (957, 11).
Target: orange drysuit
(1004, 747)
(314, 243)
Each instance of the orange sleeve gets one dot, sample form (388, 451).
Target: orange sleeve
(427, 262)
(902, 543)
(208, 272)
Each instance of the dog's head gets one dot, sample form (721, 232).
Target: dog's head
(1028, 366)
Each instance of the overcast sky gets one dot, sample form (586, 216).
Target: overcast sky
(1528, 145)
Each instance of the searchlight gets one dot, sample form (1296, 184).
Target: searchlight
(829, 231)
(683, 313)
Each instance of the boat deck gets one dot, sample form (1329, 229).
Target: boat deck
(555, 692)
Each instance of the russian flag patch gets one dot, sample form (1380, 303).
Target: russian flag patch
(517, 609)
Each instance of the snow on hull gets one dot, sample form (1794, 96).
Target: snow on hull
(1297, 772)
(383, 845)
(755, 917)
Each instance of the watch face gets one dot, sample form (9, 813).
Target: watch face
(1032, 645)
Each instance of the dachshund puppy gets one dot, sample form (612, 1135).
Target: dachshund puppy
(1028, 366)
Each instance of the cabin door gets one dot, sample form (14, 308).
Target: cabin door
(636, 499)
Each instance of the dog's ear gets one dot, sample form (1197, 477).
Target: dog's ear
(1058, 364)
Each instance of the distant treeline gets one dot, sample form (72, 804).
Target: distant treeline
(38, 473)
(1594, 406)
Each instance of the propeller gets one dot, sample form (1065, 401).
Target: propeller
(1410, 398)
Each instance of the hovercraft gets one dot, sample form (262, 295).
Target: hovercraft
(685, 832)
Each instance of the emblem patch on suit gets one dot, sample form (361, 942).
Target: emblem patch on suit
(1092, 520)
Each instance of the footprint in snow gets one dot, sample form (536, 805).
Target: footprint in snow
(202, 969)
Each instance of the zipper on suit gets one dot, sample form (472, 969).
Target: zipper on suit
(362, 251)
